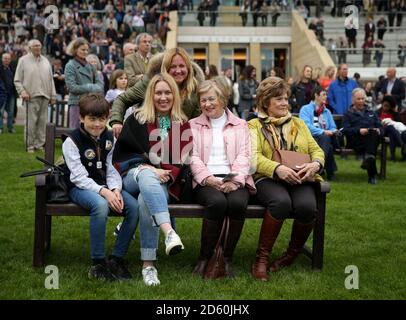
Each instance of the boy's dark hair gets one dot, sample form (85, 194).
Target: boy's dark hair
(93, 104)
(317, 90)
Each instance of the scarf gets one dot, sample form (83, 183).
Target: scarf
(320, 110)
(83, 62)
(283, 131)
(164, 125)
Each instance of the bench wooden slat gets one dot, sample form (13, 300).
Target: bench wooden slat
(176, 210)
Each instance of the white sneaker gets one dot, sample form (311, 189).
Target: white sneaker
(150, 276)
(173, 243)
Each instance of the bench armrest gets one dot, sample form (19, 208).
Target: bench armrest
(324, 187)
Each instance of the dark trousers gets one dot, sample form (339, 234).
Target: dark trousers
(381, 33)
(391, 19)
(395, 139)
(367, 146)
(255, 19)
(352, 42)
(244, 18)
(213, 19)
(326, 144)
(218, 204)
(399, 18)
(286, 201)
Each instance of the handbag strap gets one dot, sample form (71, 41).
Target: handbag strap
(36, 172)
(224, 232)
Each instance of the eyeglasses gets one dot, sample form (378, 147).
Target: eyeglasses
(210, 99)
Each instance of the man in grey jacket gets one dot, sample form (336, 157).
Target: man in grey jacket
(35, 84)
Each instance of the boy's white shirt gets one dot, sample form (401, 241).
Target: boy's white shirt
(79, 175)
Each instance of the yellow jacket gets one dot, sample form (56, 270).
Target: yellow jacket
(261, 161)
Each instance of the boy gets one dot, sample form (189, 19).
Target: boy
(96, 186)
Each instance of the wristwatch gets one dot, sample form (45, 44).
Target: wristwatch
(321, 165)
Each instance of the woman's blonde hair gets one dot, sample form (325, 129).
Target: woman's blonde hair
(189, 85)
(270, 87)
(74, 45)
(219, 87)
(316, 74)
(148, 114)
(329, 69)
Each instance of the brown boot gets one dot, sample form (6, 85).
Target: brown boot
(210, 233)
(300, 233)
(234, 234)
(269, 232)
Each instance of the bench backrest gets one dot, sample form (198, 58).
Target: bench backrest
(59, 114)
(52, 134)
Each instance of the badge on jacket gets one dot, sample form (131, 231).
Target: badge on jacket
(90, 154)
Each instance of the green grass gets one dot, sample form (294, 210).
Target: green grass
(365, 226)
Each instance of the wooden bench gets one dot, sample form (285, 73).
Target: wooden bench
(45, 211)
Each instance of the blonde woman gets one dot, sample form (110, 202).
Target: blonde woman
(174, 62)
(150, 170)
(329, 76)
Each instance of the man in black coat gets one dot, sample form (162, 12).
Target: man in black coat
(363, 131)
(7, 77)
(394, 87)
(369, 29)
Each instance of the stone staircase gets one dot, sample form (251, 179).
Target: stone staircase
(334, 28)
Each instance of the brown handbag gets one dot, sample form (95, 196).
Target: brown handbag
(291, 159)
(215, 268)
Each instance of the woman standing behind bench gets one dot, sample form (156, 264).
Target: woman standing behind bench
(221, 145)
(284, 192)
(174, 62)
(80, 78)
(154, 143)
(96, 186)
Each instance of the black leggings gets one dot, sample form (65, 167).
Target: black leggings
(217, 204)
(286, 201)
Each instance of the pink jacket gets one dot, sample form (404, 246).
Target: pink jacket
(238, 149)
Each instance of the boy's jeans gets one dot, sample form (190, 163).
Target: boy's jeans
(99, 209)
